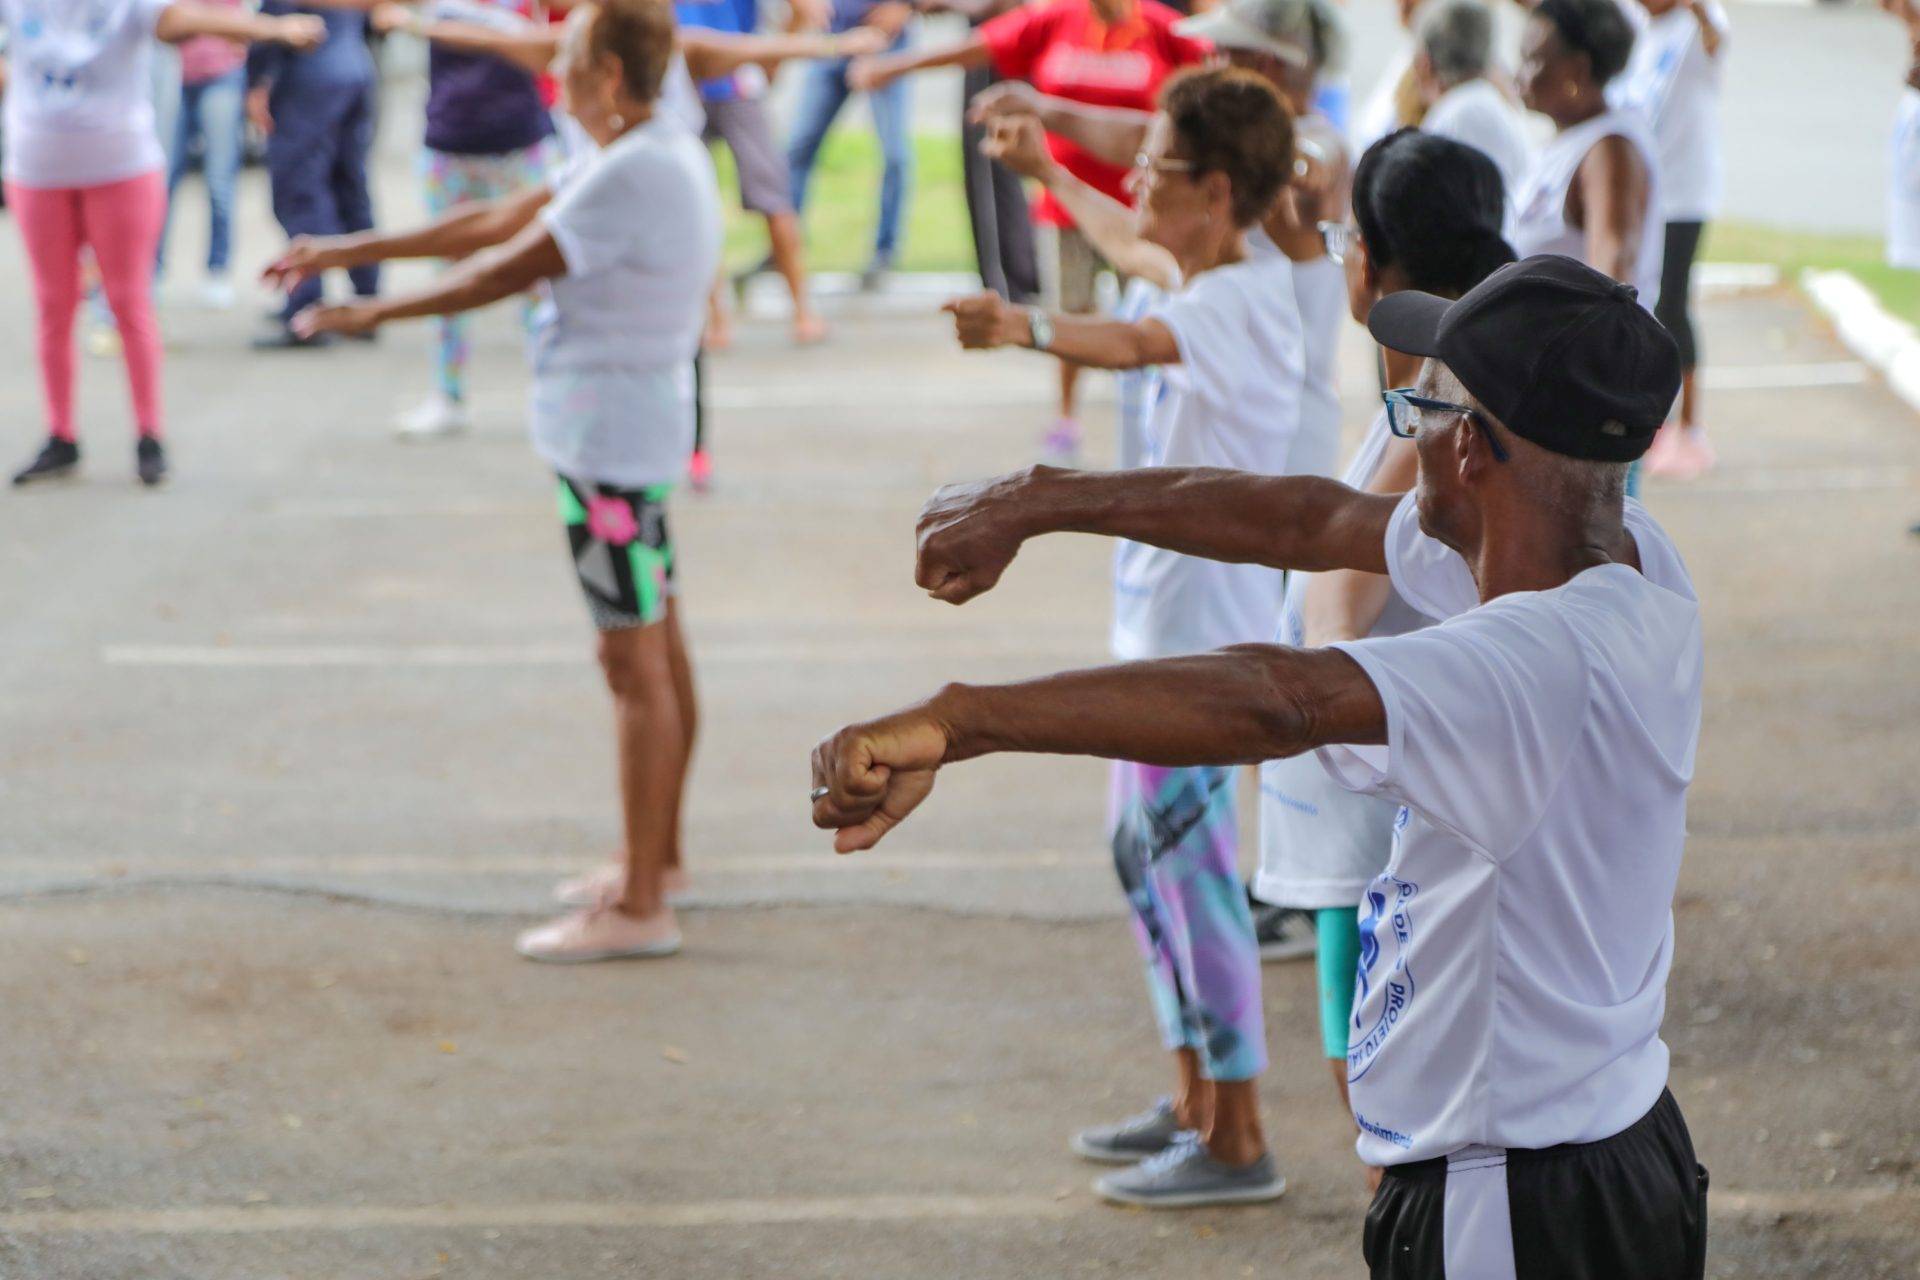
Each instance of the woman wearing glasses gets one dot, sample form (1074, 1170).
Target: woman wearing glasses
(1223, 356)
(1427, 215)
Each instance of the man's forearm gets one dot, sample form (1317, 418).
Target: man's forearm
(1307, 523)
(1232, 706)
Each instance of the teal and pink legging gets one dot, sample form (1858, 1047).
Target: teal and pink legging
(120, 222)
(1175, 847)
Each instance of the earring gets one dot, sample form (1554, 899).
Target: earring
(618, 121)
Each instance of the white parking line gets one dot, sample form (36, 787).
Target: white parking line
(350, 866)
(577, 652)
(265, 1219)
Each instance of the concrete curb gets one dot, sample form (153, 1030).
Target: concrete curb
(1883, 341)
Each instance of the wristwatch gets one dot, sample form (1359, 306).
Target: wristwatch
(1041, 325)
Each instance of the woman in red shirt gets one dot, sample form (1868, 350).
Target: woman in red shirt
(1105, 53)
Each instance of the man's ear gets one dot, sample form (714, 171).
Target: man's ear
(1472, 455)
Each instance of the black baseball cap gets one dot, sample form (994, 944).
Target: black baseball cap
(1560, 354)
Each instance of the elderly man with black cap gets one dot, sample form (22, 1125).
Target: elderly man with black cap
(1505, 1060)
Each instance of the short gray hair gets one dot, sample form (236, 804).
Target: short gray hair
(1457, 37)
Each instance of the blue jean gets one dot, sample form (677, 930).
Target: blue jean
(317, 170)
(822, 94)
(213, 111)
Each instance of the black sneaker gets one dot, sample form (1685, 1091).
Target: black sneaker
(150, 461)
(56, 458)
(1284, 933)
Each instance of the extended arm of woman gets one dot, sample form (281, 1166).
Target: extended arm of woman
(1612, 206)
(487, 277)
(1112, 134)
(463, 230)
(530, 48)
(871, 74)
(987, 320)
(1017, 142)
(713, 54)
(185, 20)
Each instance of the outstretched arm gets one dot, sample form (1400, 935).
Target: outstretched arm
(870, 75)
(713, 54)
(1019, 143)
(986, 320)
(528, 47)
(486, 277)
(969, 533)
(1112, 134)
(1234, 706)
(185, 20)
(463, 230)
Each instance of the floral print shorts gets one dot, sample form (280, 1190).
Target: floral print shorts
(621, 551)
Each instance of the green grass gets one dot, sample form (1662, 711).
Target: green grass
(1795, 251)
(843, 203)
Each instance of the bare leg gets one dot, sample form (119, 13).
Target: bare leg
(719, 333)
(1069, 379)
(1689, 400)
(652, 748)
(1234, 1137)
(683, 689)
(790, 260)
(1193, 1094)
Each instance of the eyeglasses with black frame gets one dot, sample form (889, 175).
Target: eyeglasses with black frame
(1404, 408)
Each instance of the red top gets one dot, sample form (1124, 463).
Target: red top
(548, 86)
(1062, 48)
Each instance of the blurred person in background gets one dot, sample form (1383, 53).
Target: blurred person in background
(1453, 66)
(824, 90)
(85, 171)
(1903, 179)
(1394, 102)
(209, 124)
(1101, 53)
(1679, 58)
(488, 135)
(316, 109)
(1593, 192)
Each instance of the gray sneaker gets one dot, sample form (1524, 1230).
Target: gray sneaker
(1132, 1140)
(1184, 1176)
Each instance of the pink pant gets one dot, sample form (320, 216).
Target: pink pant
(120, 222)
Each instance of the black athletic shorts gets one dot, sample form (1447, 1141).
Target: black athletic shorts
(1629, 1207)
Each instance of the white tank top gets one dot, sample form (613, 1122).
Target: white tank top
(1541, 211)
(1320, 293)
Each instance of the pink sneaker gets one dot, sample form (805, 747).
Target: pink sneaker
(600, 933)
(605, 885)
(1701, 456)
(700, 471)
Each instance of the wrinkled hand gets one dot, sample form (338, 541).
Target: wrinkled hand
(302, 259)
(259, 110)
(862, 43)
(968, 534)
(354, 317)
(987, 320)
(1008, 98)
(876, 774)
(389, 18)
(301, 32)
(1019, 143)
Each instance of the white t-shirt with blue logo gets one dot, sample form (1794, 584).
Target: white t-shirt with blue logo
(1514, 953)
(1233, 400)
(79, 107)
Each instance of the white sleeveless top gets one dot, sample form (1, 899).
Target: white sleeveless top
(1541, 208)
(1320, 292)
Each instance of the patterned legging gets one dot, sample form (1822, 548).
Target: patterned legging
(456, 179)
(1175, 847)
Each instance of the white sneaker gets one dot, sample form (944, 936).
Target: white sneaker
(437, 417)
(217, 294)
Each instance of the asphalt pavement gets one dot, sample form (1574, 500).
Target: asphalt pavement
(289, 749)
